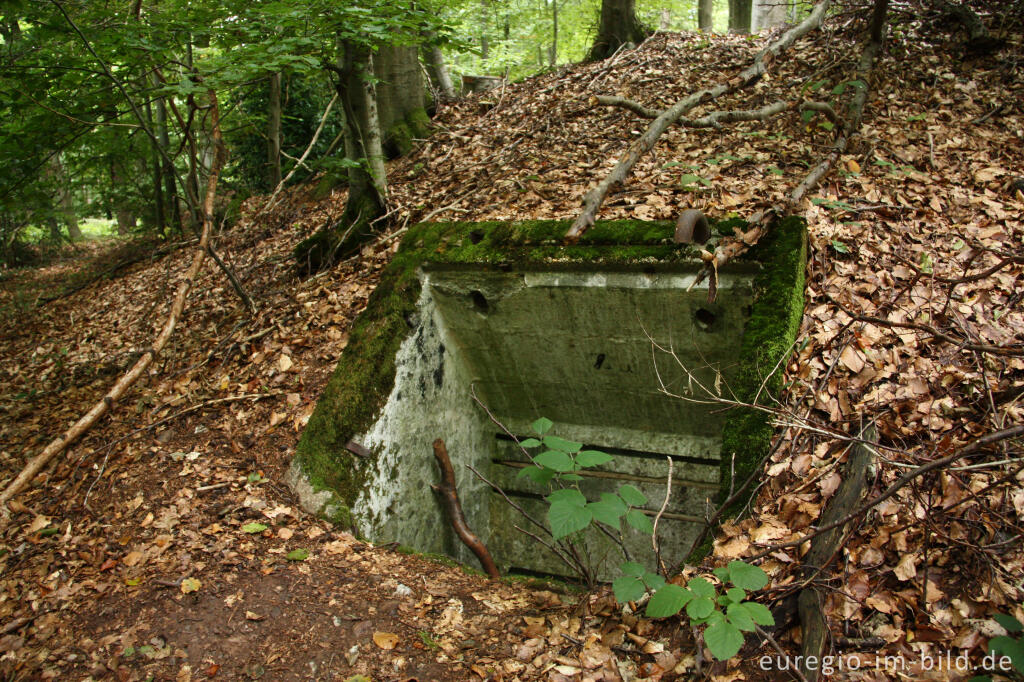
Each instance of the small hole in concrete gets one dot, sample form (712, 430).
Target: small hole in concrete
(475, 237)
(479, 301)
(704, 318)
(600, 361)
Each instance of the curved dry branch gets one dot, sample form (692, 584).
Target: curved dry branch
(596, 196)
(86, 421)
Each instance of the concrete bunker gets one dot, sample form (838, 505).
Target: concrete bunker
(540, 329)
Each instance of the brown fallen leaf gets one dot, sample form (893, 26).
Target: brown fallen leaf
(385, 640)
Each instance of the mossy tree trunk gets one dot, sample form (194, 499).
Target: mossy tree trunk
(619, 26)
(367, 182)
(401, 97)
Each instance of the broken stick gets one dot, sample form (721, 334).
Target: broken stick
(448, 491)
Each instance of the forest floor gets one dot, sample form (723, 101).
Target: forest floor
(165, 546)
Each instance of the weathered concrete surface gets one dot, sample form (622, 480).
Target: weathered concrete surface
(578, 347)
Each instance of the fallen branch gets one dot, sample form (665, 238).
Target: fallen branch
(969, 449)
(316, 136)
(596, 196)
(448, 491)
(1010, 351)
(814, 628)
(732, 248)
(86, 422)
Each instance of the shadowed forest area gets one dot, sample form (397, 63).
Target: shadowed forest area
(199, 199)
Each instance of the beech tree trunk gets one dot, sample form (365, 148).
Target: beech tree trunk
(401, 98)
(274, 131)
(438, 67)
(367, 186)
(619, 26)
(704, 14)
(768, 14)
(739, 15)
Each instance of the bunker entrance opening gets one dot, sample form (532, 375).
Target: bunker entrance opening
(604, 354)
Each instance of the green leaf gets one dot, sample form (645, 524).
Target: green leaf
(570, 477)
(297, 555)
(607, 513)
(700, 607)
(566, 519)
(667, 601)
(806, 115)
(738, 615)
(632, 495)
(627, 588)
(701, 588)
(538, 475)
(826, 125)
(840, 247)
(253, 528)
(746, 576)
(555, 460)
(722, 573)
(1009, 647)
(640, 521)
(736, 594)
(653, 581)
(1009, 623)
(567, 496)
(724, 640)
(926, 263)
(760, 613)
(529, 443)
(556, 443)
(542, 425)
(632, 568)
(592, 458)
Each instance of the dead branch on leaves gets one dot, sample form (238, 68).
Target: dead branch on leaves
(89, 419)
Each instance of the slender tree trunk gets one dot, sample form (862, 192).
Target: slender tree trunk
(67, 202)
(739, 16)
(554, 33)
(438, 68)
(159, 218)
(56, 236)
(367, 190)
(666, 19)
(363, 103)
(167, 171)
(705, 14)
(274, 131)
(619, 26)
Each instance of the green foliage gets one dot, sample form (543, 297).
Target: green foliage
(569, 512)
(1009, 646)
(724, 614)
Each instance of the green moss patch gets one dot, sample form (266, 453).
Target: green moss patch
(767, 342)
